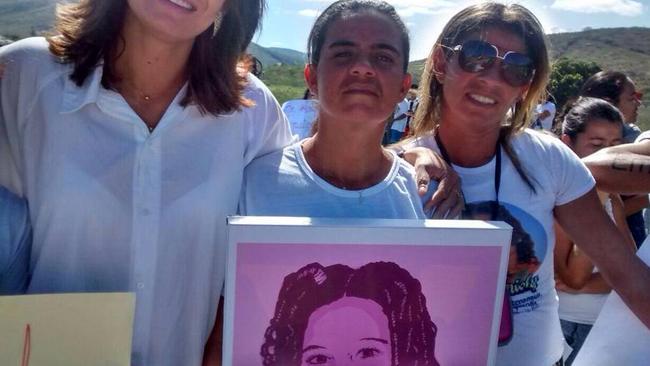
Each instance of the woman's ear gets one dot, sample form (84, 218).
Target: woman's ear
(566, 139)
(311, 78)
(439, 64)
(406, 84)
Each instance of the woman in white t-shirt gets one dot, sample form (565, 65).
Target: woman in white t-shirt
(590, 125)
(480, 84)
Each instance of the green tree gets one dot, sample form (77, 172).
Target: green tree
(567, 77)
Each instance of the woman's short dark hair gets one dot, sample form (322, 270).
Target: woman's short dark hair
(393, 288)
(344, 7)
(605, 85)
(585, 110)
(87, 33)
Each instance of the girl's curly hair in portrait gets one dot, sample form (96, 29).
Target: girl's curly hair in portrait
(412, 333)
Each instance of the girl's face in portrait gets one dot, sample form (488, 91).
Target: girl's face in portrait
(349, 331)
(360, 72)
(481, 98)
(598, 134)
(174, 20)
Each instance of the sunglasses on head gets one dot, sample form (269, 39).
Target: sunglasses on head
(475, 56)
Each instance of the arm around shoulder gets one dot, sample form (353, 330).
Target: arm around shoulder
(622, 169)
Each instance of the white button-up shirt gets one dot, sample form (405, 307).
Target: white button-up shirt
(115, 208)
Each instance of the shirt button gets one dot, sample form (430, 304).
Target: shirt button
(145, 212)
(140, 285)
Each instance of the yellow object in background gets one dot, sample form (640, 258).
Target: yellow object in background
(66, 329)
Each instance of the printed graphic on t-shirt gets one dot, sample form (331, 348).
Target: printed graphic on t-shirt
(527, 250)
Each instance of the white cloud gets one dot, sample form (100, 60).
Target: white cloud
(628, 8)
(312, 13)
(557, 30)
(408, 8)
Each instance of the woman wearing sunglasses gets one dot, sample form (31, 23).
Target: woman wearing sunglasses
(485, 73)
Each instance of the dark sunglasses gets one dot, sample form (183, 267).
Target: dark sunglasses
(475, 56)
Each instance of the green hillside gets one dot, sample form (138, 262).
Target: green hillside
(622, 49)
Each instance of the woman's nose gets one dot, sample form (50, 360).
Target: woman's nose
(363, 66)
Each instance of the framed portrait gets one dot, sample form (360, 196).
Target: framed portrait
(304, 291)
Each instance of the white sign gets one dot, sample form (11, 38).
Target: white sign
(316, 289)
(618, 336)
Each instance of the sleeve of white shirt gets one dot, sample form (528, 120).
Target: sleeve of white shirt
(15, 243)
(27, 65)
(643, 136)
(267, 126)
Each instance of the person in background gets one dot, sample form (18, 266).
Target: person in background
(590, 125)
(544, 115)
(399, 122)
(127, 131)
(15, 243)
(301, 114)
(482, 79)
(619, 89)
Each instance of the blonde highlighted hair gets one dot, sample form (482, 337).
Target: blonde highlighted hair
(471, 20)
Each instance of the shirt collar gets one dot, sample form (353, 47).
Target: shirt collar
(75, 97)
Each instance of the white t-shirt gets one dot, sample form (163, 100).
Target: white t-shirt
(400, 124)
(283, 184)
(115, 208)
(559, 177)
(547, 123)
(645, 135)
(301, 114)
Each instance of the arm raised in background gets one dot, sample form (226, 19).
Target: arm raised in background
(622, 169)
(585, 221)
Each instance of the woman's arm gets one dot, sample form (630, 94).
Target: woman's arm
(572, 267)
(213, 347)
(447, 201)
(622, 169)
(618, 210)
(586, 222)
(635, 204)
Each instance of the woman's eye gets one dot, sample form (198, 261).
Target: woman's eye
(368, 352)
(317, 360)
(385, 59)
(342, 54)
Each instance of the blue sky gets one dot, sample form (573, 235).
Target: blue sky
(287, 22)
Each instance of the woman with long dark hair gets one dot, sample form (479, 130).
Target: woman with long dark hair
(485, 73)
(127, 131)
